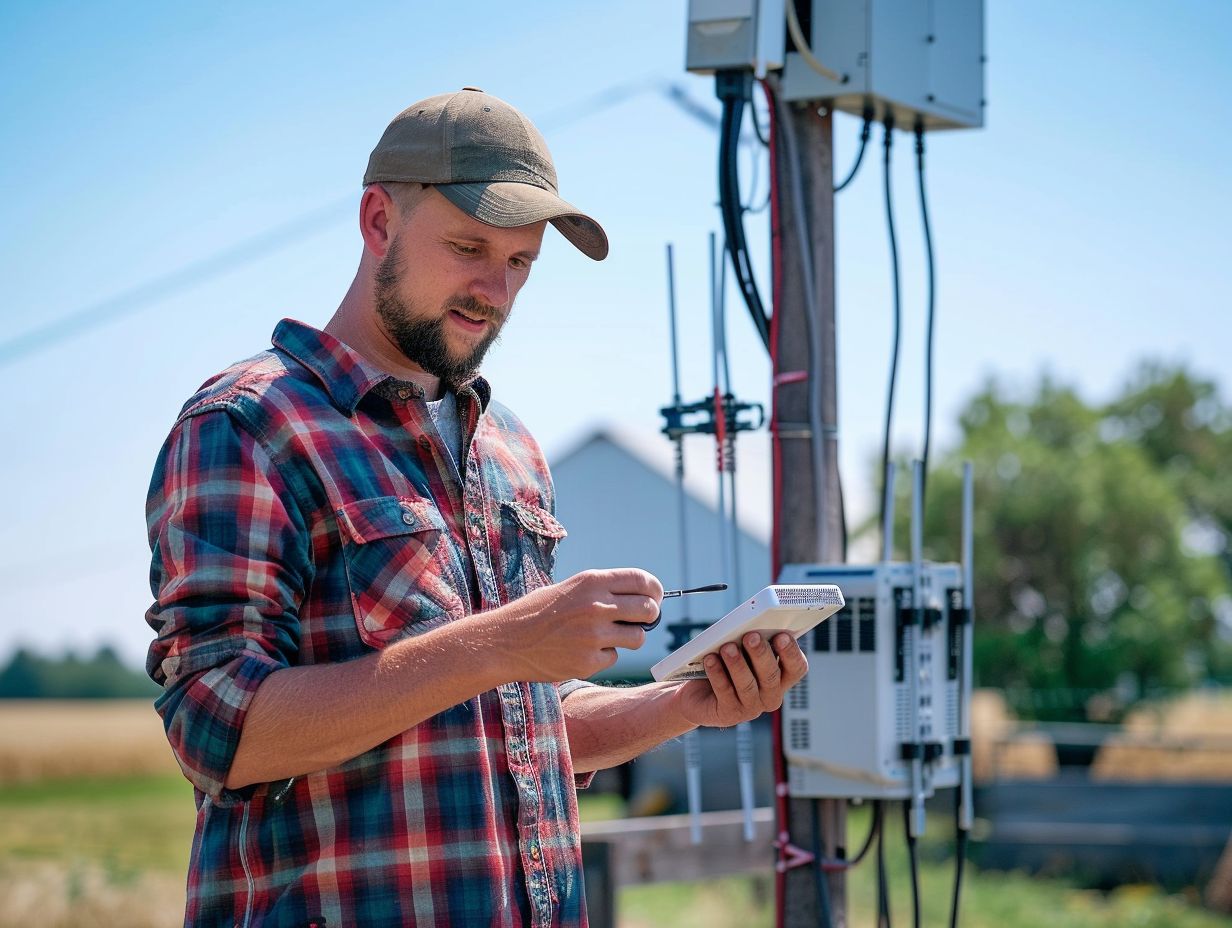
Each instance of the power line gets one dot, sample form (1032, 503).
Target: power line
(296, 230)
(128, 302)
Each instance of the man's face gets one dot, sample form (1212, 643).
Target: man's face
(447, 284)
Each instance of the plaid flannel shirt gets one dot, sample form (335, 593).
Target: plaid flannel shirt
(304, 510)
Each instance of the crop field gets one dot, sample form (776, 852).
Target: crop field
(52, 739)
(95, 825)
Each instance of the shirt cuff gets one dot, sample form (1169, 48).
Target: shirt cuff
(580, 780)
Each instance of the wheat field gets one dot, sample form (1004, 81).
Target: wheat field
(95, 817)
(53, 739)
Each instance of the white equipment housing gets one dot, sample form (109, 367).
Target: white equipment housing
(919, 59)
(726, 34)
(885, 681)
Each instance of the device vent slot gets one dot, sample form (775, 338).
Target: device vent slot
(844, 631)
(798, 734)
(868, 632)
(809, 596)
(797, 696)
(902, 713)
(821, 636)
(951, 709)
(954, 637)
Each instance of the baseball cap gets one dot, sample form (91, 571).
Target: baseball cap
(487, 159)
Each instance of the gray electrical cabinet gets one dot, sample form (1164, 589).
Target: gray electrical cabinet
(920, 60)
(886, 684)
(735, 34)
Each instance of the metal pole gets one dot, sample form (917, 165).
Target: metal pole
(912, 635)
(681, 500)
(692, 742)
(727, 473)
(966, 809)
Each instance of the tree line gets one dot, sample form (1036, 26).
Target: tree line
(1103, 562)
(100, 676)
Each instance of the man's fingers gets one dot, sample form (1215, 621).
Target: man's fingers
(720, 682)
(743, 681)
(626, 635)
(637, 608)
(622, 581)
(765, 664)
(792, 662)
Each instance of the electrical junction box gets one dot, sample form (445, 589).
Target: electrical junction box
(919, 59)
(851, 724)
(735, 34)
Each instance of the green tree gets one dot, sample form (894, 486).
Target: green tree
(1101, 561)
(103, 676)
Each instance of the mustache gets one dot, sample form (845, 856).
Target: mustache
(469, 306)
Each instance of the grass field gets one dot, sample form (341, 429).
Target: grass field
(112, 852)
(98, 837)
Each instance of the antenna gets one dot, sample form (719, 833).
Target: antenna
(911, 641)
(966, 808)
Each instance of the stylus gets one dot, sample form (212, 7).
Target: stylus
(668, 594)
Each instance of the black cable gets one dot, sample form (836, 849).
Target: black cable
(883, 894)
(825, 916)
(889, 204)
(842, 515)
(874, 829)
(761, 136)
(754, 177)
(738, 248)
(932, 302)
(864, 133)
(913, 865)
(962, 857)
(733, 90)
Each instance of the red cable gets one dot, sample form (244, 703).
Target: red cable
(782, 835)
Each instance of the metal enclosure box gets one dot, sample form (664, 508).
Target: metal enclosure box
(726, 34)
(919, 59)
(845, 723)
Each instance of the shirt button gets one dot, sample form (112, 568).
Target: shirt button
(404, 394)
(408, 518)
(425, 442)
(534, 852)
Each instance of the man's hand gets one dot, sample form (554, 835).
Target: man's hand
(741, 684)
(573, 628)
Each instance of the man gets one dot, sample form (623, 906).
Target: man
(369, 675)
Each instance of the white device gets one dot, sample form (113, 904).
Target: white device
(920, 61)
(794, 608)
(735, 34)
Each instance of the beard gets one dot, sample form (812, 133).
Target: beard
(421, 336)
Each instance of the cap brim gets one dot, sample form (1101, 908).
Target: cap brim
(506, 204)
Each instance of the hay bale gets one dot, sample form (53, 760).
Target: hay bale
(1167, 760)
(999, 749)
(1186, 739)
(1197, 714)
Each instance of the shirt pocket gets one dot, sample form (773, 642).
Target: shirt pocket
(400, 567)
(529, 535)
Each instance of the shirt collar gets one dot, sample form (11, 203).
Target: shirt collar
(344, 373)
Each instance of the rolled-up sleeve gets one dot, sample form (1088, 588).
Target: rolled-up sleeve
(231, 564)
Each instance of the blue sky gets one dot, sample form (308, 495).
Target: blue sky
(1081, 230)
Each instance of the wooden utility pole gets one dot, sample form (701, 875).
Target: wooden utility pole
(804, 344)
